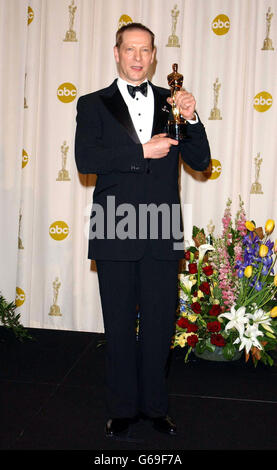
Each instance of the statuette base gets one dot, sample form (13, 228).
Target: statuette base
(70, 36)
(256, 188)
(55, 311)
(176, 130)
(173, 41)
(63, 175)
(268, 46)
(215, 114)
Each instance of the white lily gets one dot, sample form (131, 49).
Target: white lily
(186, 282)
(237, 319)
(259, 316)
(249, 338)
(202, 250)
(182, 295)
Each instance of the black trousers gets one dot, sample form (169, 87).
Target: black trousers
(135, 369)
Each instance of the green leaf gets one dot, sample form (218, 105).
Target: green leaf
(209, 346)
(10, 319)
(229, 351)
(200, 347)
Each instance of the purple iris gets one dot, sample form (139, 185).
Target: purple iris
(251, 257)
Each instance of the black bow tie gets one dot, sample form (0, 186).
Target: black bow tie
(133, 89)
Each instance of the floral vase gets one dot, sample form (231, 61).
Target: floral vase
(217, 355)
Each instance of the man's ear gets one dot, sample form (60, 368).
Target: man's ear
(116, 54)
(153, 55)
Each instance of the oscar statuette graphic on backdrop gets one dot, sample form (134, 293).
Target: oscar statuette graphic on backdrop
(20, 244)
(256, 187)
(55, 309)
(63, 173)
(25, 99)
(215, 112)
(70, 35)
(173, 40)
(268, 45)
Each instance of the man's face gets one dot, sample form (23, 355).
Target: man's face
(134, 56)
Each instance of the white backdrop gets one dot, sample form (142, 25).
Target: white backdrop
(52, 52)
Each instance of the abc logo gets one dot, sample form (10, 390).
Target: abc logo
(262, 101)
(58, 230)
(221, 25)
(124, 20)
(19, 297)
(66, 92)
(216, 169)
(30, 15)
(25, 158)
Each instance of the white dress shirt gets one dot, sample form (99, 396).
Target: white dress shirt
(141, 109)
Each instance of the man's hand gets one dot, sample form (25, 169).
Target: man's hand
(158, 146)
(185, 103)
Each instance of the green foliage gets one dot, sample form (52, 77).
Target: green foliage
(11, 320)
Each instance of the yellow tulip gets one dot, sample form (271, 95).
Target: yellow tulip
(250, 226)
(269, 226)
(248, 271)
(275, 280)
(263, 251)
(273, 312)
(275, 246)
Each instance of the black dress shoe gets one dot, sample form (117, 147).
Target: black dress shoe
(165, 424)
(116, 426)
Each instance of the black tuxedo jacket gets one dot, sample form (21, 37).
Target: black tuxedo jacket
(107, 144)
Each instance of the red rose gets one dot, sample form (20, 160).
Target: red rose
(208, 270)
(183, 322)
(192, 340)
(214, 326)
(196, 307)
(187, 255)
(217, 340)
(192, 268)
(192, 328)
(205, 288)
(215, 310)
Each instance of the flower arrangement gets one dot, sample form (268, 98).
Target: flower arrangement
(11, 320)
(227, 298)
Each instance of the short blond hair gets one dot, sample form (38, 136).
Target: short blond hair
(131, 27)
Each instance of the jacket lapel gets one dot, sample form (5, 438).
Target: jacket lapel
(114, 102)
(116, 105)
(161, 110)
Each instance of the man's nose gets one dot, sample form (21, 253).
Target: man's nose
(138, 55)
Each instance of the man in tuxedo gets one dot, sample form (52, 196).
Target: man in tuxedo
(121, 137)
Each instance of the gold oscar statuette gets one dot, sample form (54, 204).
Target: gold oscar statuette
(215, 112)
(268, 46)
(55, 309)
(70, 35)
(63, 173)
(173, 40)
(176, 125)
(256, 187)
